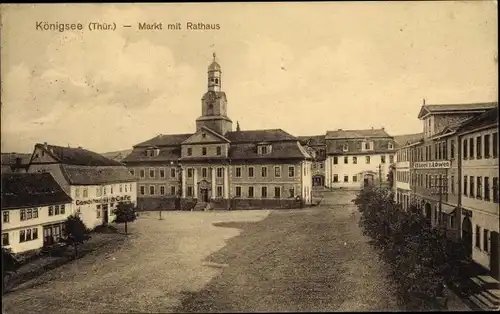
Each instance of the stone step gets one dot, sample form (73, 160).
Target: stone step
(483, 303)
(488, 282)
(493, 295)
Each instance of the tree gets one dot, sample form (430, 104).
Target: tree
(125, 213)
(9, 265)
(75, 232)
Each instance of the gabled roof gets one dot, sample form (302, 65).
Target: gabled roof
(79, 175)
(312, 140)
(255, 136)
(21, 190)
(348, 134)
(118, 155)
(280, 150)
(206, 129)
(490, 117)
(165, 140)
(405, 139)
(77, 156)
(426, 109)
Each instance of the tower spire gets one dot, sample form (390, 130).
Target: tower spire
(214, 56)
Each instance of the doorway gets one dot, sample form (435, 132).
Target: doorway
(428, 212)
(105, 216)
(204, 195)
(467, 236)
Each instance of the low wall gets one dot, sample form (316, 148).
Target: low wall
(264, 203)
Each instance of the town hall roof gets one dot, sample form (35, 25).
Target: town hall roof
(444, 108)
(21, 190)
(95, 175)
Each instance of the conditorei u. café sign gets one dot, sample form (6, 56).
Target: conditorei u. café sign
(443, 164)
(112, 199)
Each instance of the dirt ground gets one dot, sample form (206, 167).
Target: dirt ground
(313, 259)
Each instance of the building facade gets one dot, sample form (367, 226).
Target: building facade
(454, 175)
(216, 167)
(34, 208)
(95, 183)
(316, 147)
(358, 157)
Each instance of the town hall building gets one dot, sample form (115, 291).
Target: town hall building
(218, 167)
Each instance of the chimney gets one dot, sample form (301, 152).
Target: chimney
(238, 126)
(79, 147)
(383, 128)
(423, 100)
(339, 130)
(18, 161)
(45, 144)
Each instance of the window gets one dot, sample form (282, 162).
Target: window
(98, 211)
(6, 216)
(346, 160)
(354, 160)
(479, 147)
(382, 159)
(238, 191)
(495, 190)
(264, 171)
(219, 191)
(391, 159)
(162, 174)
(471, 190)
(189, 191)
(121, 186)
(22, 236)
(77, 192)
(264, 191)
(465, 186)
(219, 172)
(346, 178)
(219, 150)
(291, 171)
(151, 173)
(495, 145)
(277, 192)
(250, 172)
(335, 160)
(162, 190)
(486, 240)
(354, 178)
(452, 184)
(464, 149)
(471, 148)
(204, 172)
(452, 221)
(142, 190)
(487, 146)
(63, 210)
(190, 172)
(204, 151)
(132, 172)
(151, 190)
(104, 190)
(142, 173)
(172, 172)
(479, 187)
(277, 171)
(335, 178)
(5, 239)
(86, 192)
(250, 191)
(238, 172)
(28, 235)
(486, 188)
(189, 151)
(264, 149)
(391, 146)
(436, 150)
(478, 237)
(172, 190)
(452, 149)
(367, 160)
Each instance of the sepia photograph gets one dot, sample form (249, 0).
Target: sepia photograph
(249, 157)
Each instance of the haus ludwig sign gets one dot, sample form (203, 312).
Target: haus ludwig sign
(443, 164)
(112, 199)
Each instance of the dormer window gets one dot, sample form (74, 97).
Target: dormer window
(264, 149)
(204, 151)
(152, 152)
(367, 145)
(345, 147)
(391, 146)
(203, 134)
(189, 151)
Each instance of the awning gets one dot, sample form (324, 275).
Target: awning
(447, 209)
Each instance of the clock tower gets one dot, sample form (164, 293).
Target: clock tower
(214, 103)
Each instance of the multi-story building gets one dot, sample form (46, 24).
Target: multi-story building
(478, 140)
(358, 157)
(316, 147)
(95, 183)
(402, 174)
(218, 167)
(34, 208)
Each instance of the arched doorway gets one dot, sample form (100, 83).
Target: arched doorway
(368, 179)
(318, 180)
(428, 211)
(467, 235)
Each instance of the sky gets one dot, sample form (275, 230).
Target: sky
(303, 67)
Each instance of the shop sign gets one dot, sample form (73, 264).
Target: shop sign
(106, 199)
(444, 164)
